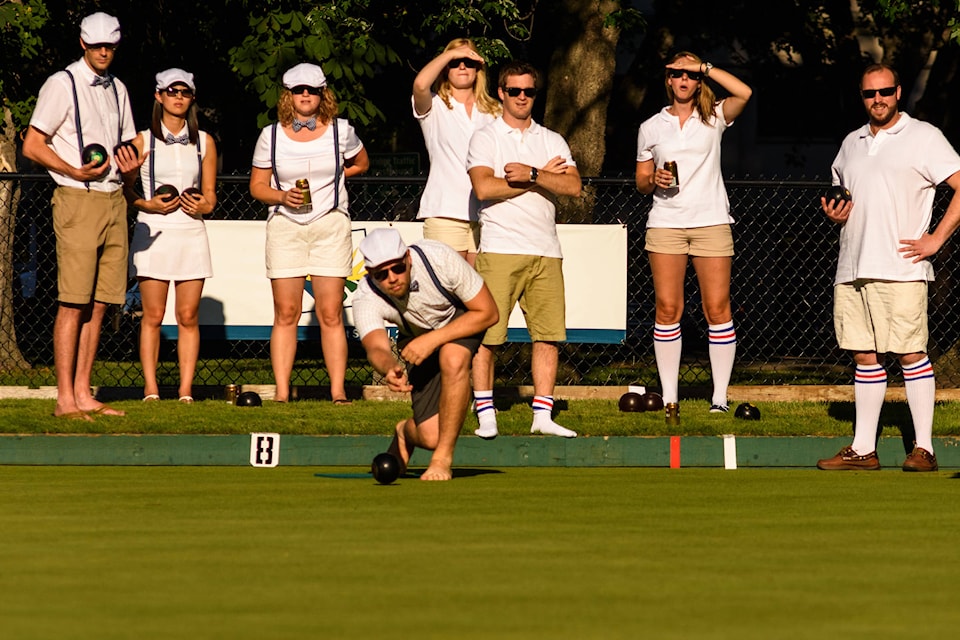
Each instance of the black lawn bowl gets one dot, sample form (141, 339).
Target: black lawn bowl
(249, 399)
(631, 401)
(747, 411)
(838, 193)
(385, 468)
(166, 192)
(652, 401)
(95, 153)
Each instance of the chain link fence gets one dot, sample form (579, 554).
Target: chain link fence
(781, 293)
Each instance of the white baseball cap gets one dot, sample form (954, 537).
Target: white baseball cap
(304, 74)
(100, 28)
(174, 76)
(382, 246)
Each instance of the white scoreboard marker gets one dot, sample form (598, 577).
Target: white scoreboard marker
(264, 449)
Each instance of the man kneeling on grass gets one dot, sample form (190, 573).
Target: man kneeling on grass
(441, 308)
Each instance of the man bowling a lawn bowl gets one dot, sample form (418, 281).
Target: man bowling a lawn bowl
(441, 307)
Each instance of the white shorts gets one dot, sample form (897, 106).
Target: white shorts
(323, 247)
(881, 316)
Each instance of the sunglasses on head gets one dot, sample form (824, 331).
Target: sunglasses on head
(381, 274)
(300, 88)
(678, 73)
(173, 92)
(469, 63)
(886, 92)
(513, 92)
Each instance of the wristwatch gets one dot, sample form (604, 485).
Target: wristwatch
(706, 69)
(533, 174)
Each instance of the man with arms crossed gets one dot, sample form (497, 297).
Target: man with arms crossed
(85, 104)
(441, 307)
(891, 166)
(517, 168)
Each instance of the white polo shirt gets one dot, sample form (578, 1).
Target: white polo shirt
(313, 160)
(701, 198)
(525, 224)
(892, 177)
(446, 134)
(105, 118)
(424, 307)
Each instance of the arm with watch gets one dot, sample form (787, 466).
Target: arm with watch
(739, 91)
(556, 177)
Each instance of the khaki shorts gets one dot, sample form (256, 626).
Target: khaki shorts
(322, 248)
(461, 235)
(708, 242)
(91, 231)
(881, 316)
(537, 283)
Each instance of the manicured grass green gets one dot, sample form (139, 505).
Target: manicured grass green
(588, 417)
(186, 552)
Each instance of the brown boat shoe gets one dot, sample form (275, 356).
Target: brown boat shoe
(920, 460)
(850, 460)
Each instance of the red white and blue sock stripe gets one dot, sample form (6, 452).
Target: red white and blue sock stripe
(722, 333)
(666, 332)
(483, 402)
(918, 370)
(870, 374)
(542, 403)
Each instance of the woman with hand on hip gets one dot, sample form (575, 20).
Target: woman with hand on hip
(690, 217)
(451, 101)
(170, 239)
(299, 169)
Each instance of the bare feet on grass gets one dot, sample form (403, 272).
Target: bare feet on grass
(438, 471)
(399, 448)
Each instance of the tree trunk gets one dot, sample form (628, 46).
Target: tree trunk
(580, 83)
(10, 356)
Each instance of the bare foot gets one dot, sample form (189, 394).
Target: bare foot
(437, 472)
(399, 447)
(105, 410)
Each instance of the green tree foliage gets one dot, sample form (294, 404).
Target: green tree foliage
(20, 42)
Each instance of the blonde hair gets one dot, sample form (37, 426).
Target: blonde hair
(326, 111)
(706, 98)
(485, 102)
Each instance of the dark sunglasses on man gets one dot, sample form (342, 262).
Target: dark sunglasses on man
(886, 92)
(397, 269)
(513, 92)
(469, 63)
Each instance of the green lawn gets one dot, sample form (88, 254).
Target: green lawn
(588, 417)
(187, 552)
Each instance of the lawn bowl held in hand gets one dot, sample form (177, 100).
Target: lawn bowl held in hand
(193, 192)
(631, 401)
(837, 193)
(129, 144)
(95, 153)
(249, 399)
(747, 411)
(652, 401)
(385, 468)
(166, 192)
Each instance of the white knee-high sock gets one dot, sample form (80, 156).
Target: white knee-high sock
(869, 389)
(921, 388)
(486, 412)
(667, 343)
(723, 351)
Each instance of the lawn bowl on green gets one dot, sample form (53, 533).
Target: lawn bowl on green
(385, 468)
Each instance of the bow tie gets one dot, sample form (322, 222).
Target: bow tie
(309, 124)
(102, 81)
(172, 139)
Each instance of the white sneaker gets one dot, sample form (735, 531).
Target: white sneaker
(487, 432)
(551, 428)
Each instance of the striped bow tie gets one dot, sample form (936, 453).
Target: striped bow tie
(102, 81)
(172, 139)
(309, 124)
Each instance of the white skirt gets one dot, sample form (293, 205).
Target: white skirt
(170, 253)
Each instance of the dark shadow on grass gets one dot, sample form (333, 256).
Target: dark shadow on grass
(894, 415)
(457, 473)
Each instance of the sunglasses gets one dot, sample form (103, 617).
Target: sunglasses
(101, 45)
(300, 88)
(886, 92)
(513, 92)
(469, 63)
(173, 92)
(678, 73)
(396, 269)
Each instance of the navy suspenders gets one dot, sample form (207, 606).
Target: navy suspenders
(336, 156)
(76, 116)
(153, 140)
